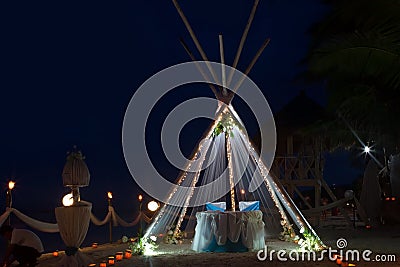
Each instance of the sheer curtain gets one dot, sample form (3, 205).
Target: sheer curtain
(73, 223)
(246, 227)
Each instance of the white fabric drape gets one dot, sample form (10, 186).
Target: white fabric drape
(124, 223)
(108, 217)
(74, 223)
(253, 233)
(112, 215)
(247, 226)
(38, 225)
(4, 216)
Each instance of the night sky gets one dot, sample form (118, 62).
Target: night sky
(69, 69)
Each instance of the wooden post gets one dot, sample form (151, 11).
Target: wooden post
(318, 200)
(221, 51)
(195, 40)
(243, 39)
(289, 145)
(110, 223)
(205, 76)
(251, 65)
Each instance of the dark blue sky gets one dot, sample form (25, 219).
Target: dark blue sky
(69, 69)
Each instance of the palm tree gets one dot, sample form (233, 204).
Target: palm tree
(356, 51)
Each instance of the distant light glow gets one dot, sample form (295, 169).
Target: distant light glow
(153, 205)
(109, 195)
(11, 185)
(367, 149)
(140, 197)
(242, 191)
(68, 200)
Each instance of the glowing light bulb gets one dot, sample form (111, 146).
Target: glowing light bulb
(68, 200)
(367, 149)
(11, 185)
(153, 205)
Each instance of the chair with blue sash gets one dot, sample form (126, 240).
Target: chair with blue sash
(249, 205)
(216, 206)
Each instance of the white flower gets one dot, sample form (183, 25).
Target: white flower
(124, 239)
(153, 238)
(302, 230)
(170, 232)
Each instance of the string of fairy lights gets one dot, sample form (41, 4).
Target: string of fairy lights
(296, 215)
(230, 170)
(279, 196)
(182, 178)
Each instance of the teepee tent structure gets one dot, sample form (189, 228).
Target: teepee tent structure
(226, 154)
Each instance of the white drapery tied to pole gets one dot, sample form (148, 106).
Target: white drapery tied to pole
(73, 223)
(35, 224)
(116, 220)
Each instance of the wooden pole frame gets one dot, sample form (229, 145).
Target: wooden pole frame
(221, 51)
(242, 40)
(205, 76)
(195, 40)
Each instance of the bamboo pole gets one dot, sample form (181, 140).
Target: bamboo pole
(242, 40)
(195, 40)
(251, 65)
(205, 76)
(221, 51)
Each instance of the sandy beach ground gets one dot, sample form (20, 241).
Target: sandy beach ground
(380, 241)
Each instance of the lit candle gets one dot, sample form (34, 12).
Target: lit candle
(111, 260)
(339, 260)
(345, 264)
(128, 254)
(118, 256)
(103, 264)
(55, 253)
(94, 245)
(92, 265)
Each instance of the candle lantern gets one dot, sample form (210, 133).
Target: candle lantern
(119, 256)
(94, 245)
(111, 260)
(55, 253)
(103, 264)
(128, 254)
(339, 260)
